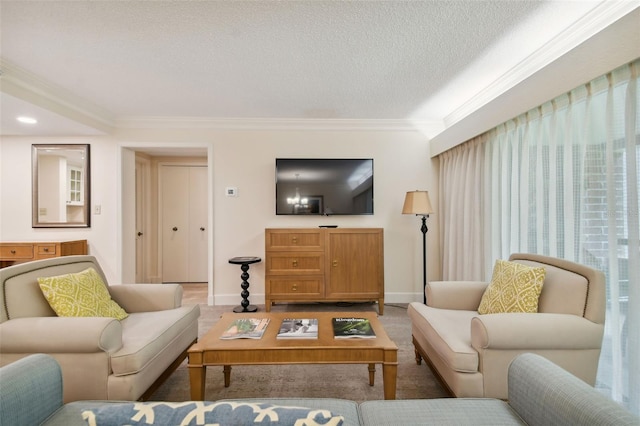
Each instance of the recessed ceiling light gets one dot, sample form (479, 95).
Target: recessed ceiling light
(27, 120)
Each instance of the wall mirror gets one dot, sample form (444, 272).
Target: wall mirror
(61, 186)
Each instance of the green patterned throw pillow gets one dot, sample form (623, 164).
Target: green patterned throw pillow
(192, 413)
(514, 288)
(81, 294)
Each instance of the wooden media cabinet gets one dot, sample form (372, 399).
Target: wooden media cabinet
(324, 264)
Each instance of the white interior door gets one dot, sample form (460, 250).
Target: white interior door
(184, 219)
(197, 224)
(175, 223)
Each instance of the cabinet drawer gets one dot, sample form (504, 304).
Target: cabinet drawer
(8, 252)
(294, 263)
(296, 240)
(294, 286)
(45, 250)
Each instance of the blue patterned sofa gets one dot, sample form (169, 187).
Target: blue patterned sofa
(540, 393)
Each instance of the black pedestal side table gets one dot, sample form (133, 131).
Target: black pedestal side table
(245, 262)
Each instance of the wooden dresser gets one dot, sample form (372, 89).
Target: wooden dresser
(19, 252)
(324, 264)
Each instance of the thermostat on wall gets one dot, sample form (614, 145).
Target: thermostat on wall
(231, 191)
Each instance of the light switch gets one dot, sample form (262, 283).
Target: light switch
(231, 191)
(97, 209)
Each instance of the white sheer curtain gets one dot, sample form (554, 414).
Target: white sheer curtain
(560, 180)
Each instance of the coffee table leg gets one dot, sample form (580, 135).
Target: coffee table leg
(372, 374)
(227, 375)
(389, 376)
(197, 376)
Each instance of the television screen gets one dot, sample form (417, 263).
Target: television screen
(324, 186)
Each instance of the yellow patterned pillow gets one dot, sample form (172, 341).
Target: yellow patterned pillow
(514, 288)
(82, 294)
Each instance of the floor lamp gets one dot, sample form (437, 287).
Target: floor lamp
(418, 203)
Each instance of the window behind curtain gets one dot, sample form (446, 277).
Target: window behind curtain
(560, 180)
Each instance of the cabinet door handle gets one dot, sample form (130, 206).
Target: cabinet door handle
(140, 234)
(46, 249)
(175, 228)
(294, 240)
(13, 252)
(294, 288)
(295, 263)
(202, 228)
(334, 263)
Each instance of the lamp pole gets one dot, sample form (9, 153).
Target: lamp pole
(424, 230)
(418, 203)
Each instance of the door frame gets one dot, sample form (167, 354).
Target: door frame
(125, 162)
(143, 208)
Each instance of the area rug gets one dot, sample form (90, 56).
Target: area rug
(312, 381)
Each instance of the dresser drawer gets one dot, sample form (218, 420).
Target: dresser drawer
(277, 239)
(17, 251)
(295, 263)
(295, 287)
(46, 250)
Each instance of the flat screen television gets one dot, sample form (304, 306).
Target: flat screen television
(324, 186)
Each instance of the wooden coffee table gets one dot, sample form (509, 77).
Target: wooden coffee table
(211, 350)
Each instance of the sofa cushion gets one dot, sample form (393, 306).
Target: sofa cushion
(346, 408)
(206, 413)
(146, 334)
(513, 288)
(449, 332)
(441, 411)
(81, 294)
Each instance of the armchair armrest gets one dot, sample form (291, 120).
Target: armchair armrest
(60, 335)
(534, 331)
(147, 297)
(459, 295)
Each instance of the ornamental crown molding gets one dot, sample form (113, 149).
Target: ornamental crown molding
(599, 18)
(275, 124)
(25, 85)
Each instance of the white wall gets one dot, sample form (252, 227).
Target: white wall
(246, 160)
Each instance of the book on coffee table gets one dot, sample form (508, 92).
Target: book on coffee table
(298, 328)
(347, 328)
(246, 328)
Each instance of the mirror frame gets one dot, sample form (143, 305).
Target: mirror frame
(86, 216)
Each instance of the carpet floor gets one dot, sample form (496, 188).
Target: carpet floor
(312, 381)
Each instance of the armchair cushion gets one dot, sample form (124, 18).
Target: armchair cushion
(448, 331)
(513, 288)
(81, 294)
(148, 334)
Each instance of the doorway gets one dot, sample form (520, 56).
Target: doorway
(139, 216)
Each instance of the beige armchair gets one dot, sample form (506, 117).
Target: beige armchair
(101, 358)
(471, 353)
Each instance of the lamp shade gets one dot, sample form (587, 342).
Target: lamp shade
(417, 202)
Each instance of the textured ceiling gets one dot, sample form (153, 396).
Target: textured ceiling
(370, 60)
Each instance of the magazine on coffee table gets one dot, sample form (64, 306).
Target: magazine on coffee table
(246, 328)
(348, 328)
(298, 328)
